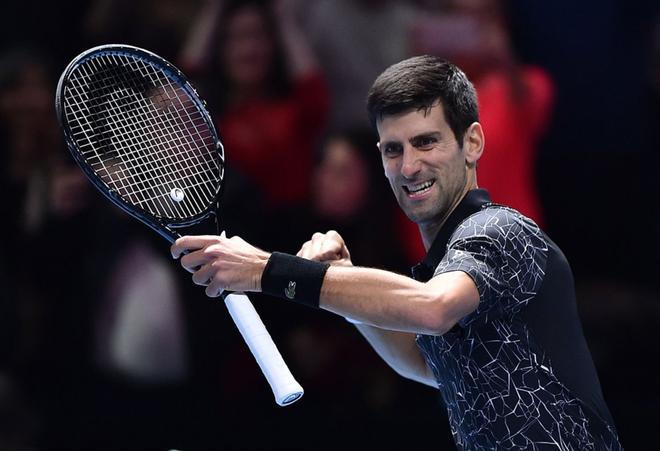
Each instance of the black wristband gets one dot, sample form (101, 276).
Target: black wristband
(294, 278)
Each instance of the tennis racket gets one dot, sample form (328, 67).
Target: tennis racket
(142, 135)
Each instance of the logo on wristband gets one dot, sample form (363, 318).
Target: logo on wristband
(290, 291)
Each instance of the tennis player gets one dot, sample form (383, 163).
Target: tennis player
(489, 319)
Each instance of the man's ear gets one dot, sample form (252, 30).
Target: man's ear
(473, 144)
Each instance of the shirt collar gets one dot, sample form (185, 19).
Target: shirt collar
(473, 201)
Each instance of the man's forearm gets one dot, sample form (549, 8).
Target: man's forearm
(399, 351)
(384, 299)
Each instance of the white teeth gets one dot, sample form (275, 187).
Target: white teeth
(420, 187)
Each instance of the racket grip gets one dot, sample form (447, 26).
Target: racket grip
(285, 388)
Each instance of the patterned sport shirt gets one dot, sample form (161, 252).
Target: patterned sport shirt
(515, 374)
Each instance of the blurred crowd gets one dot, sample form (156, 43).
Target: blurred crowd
(106, 344)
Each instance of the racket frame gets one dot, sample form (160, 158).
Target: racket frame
(285, 388)
(165, 228)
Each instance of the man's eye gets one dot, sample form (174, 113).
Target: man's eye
(392, 150)
(424, 141)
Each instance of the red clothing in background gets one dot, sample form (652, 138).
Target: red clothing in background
(270, 140)
(513, 124)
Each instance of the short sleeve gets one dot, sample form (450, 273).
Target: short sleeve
(505, 254)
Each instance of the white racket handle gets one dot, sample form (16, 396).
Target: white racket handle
(285, 388)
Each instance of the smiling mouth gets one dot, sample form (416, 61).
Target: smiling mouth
(418, 188)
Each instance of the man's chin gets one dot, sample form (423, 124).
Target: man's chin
(417, 216)
(422, 216)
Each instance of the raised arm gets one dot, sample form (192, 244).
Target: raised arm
(377, 298)
(300, 57)
(397, 349)
(395, 302)
(400, 352)
(197, 49)
(391, 309)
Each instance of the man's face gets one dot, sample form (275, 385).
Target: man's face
(423, 162)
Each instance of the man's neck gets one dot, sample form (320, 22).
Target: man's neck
(430, 230)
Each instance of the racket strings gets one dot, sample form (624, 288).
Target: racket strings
(201, 161)
(140, 182)
(143, 135)
(155, 170)
(169, 121)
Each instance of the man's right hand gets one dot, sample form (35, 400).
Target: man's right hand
(327, 248)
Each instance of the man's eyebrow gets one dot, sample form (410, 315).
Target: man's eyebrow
(389, 142)
(430, 134)
(434, 134)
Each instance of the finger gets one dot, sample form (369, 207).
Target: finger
(186, 244)
(330, 250)
(215, 288)
(307, 250)
(237, 239)
(317, 243)
(332, 234)
(193, 261)
(304, 250)
(204, 275)
(338, 238)
(345, 253)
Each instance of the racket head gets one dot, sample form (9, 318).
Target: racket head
(142, 135)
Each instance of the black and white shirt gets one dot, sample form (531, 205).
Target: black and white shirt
(515, 374)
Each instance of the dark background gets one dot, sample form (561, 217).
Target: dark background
(597, 174)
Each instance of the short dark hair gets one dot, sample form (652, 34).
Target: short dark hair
(418, 83)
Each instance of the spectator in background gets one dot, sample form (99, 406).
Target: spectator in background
(29, 145)
(515, 100)
(29, 135)
(31, 155)
(270, 99)
(106, 358)
(157, 25)
(347, 195)
(355, 40)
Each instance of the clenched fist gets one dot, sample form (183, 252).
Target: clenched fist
(327, 248)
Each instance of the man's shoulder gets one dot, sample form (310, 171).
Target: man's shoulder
(496, 222)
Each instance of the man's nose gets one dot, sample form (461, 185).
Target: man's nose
(411, 163)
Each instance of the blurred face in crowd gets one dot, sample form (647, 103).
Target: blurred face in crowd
(425, 165)
(341, 181)
(26, 108)
(248, 48)
(471, 33)
(28, 104)
(490, 35)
